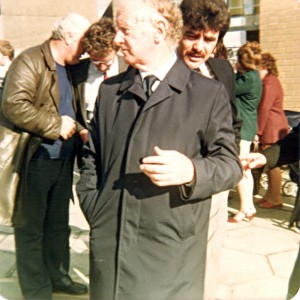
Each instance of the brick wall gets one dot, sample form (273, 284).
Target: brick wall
(28, 23)
(280, 35)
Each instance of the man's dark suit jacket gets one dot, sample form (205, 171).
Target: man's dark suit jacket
(224, 73)
(79, 77)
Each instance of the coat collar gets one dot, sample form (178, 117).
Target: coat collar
(48, 55)
(175, 80)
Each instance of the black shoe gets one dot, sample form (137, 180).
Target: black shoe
(68, 286)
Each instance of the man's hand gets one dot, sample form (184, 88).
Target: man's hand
(252, 160)
(168, 167)
(84, 134)
(68, 127)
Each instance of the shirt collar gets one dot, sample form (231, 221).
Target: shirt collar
(206, 70)
(163, 70)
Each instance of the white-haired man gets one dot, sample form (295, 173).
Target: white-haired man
(156, 155)
(38, 99)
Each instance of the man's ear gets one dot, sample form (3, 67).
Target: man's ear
(160, 31)
(68, 38)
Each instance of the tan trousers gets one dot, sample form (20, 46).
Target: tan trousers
(215, 240)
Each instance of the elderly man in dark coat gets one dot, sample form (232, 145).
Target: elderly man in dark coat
(152, 163)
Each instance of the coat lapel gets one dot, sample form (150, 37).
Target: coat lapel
(132, 83)
(215, 67)
(54, 90)
(174, 82)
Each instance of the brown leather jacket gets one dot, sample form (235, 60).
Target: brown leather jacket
(30, 104)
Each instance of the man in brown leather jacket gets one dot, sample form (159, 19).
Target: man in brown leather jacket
(38, 99)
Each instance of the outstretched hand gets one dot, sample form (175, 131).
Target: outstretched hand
(252, 160)
(168, 167)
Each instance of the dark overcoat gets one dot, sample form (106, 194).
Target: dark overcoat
(149, 242)
(224, 73)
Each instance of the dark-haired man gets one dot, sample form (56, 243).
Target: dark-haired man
(205, 25)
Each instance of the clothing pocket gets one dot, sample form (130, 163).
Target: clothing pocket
(87, 201)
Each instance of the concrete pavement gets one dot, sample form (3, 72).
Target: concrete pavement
(256, 261)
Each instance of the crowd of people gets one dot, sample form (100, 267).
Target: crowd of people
(161, 126)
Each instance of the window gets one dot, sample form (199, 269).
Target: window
(243, 7)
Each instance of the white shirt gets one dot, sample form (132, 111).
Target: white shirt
(206, 70)
(3, 71)
(160, 73)
(95, 78)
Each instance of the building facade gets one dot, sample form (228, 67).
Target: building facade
(28, 22)
(279, 27)
(274, 23)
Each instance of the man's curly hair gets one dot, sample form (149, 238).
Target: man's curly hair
(7, 49)
(99, 38)
(206, 15)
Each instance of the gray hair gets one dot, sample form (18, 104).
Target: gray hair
(72, 22)
(167, 9)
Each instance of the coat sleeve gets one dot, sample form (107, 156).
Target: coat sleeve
(219, 167)
(87, 187)
(285, 151)
(24, 84)
(236, 121)
(269, 96)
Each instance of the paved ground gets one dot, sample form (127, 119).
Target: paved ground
(257, 258)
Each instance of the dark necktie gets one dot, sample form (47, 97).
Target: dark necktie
(198, 70)
(150, 79)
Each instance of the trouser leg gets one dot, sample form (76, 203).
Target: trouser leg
(56, 225)
(35, 263)
(32, 272)
(216, 236)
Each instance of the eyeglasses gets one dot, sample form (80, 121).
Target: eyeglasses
(104, 62)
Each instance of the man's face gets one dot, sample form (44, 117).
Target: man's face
(196, 46)
(134, 38)
(3, 59)
(103, 63)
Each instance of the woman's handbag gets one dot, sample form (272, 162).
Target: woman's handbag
(13, 144)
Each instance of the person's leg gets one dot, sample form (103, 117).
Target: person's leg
(56, 225)
(273, 195)
(215, 240)
(245, 190)
(274, 188)
(57, 231)
(32, 272)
